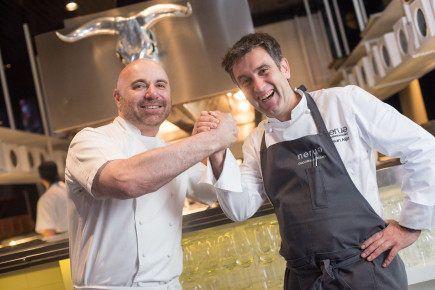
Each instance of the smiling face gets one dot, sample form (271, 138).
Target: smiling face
(265, 85)
(143, 95)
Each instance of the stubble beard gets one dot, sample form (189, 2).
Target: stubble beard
(133, 115)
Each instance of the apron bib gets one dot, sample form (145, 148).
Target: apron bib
(323, 218)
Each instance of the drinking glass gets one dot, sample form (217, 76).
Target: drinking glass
(244, 251)
(227, 251)
(426, 246)
(264, 243)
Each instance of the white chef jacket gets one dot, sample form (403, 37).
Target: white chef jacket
(125, 243)
(51, 210)
(357, 122)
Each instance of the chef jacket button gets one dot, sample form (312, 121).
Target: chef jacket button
(140, 222)
(307, 111)
(168, 256)
(170, 224)
(270, 130)
(143, 255)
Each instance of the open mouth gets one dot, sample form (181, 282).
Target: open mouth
(151, 107)
(267, 96)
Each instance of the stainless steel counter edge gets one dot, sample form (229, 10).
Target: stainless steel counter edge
(19, 258)
(36, 255)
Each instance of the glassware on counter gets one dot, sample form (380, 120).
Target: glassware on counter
(234, 256)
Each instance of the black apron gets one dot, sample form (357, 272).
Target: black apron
(323, 218)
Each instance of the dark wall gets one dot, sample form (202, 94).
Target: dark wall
(427, 85)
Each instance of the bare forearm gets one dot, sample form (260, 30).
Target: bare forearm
(48, 232)
(217, 163)
(148, 171)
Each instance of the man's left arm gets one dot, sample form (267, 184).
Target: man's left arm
(197, 190)
(391, 133)
(394, 238)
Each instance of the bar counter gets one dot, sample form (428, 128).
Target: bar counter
(214, 250)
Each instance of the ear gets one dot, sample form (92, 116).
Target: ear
(285, 68)
(117, 96)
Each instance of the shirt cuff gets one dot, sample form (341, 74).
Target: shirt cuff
(417, 216)
(230, 179)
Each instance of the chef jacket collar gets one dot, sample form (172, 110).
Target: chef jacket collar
(133, 130)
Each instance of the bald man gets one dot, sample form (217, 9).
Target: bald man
(126, 187)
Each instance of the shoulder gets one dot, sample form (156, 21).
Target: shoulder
(335, 93)
(348, 97)
(99, 134)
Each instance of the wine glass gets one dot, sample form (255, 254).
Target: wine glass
(244, 251)
(264, 243)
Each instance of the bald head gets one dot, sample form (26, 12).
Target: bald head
(142, 95)
(138, 66)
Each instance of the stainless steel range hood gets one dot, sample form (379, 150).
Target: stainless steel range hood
(78, 78)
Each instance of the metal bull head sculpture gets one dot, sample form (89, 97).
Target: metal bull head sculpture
(135, 40)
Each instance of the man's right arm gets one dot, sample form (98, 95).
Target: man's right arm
(147, 172)
(240, 190)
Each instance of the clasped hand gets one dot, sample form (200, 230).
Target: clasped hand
(224, 123)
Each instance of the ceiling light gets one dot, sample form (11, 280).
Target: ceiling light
(71, 6)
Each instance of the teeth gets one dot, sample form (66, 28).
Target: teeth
(267, 96)
(151, 107)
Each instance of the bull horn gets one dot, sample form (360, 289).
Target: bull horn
(155, 13)
(103, 25)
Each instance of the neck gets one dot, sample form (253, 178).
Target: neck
(295, 99)
(45, 183)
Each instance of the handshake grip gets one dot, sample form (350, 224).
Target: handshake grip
(227, 130)
(222, 128)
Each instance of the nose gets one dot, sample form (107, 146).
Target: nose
(257, 84)
(150, 91)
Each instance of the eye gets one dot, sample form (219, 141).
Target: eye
(244, 81)
(161, 85)
(139, 86)
(263, 70)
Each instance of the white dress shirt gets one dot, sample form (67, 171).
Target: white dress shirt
(51, 212)
(358, 122)
(125, 243)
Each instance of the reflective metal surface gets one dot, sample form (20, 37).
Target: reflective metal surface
(389, 173)
(78, 78)
(136, 40)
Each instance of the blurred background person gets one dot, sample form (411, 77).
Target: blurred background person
(51, 211)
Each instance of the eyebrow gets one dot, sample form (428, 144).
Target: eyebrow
(144, 81)
(162, 81)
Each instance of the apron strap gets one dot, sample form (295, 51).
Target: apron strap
(316, 114)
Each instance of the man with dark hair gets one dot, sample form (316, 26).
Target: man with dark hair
(313, 158)
(51, 215)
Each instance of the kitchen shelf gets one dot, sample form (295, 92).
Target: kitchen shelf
(19, 178)
(411, 68)
(30, 140)
(33, 139)
(382, 24)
